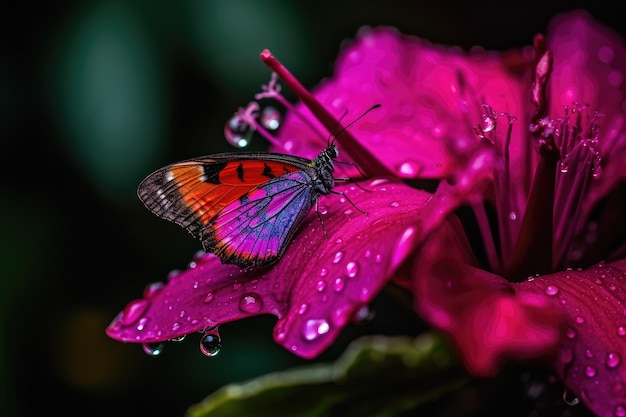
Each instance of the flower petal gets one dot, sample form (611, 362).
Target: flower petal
(316, 289)
(489, 322)
(593, 350)
(423, 90)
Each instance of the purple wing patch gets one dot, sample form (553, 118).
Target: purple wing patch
(256, 228)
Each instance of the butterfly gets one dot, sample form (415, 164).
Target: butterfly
(244, 207)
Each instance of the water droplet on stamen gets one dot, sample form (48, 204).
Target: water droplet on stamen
(237, 132)
(153, 349)
(270, 118)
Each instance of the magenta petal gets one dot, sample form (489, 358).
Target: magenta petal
(487, 320)
(593, 349)
(315, 290)
(423, 105)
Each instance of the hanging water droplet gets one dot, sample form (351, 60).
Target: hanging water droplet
(314, 328)
(569, 398)
(153, 349)
(363, 315)
(238, 132)
(613, 359)
(270, 118)
(178, 339)
(133, 311)
(211, 343)
(251, 303)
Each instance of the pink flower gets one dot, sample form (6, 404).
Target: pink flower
(531, 143)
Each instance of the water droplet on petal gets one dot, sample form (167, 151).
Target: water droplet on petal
(304, 307)
(409, 169)
(338, 257)
(211, 343)
(175, 326)
(590, 371)
(588, 353)
(338, 284)
(570, 333)
(142, 323)
(208, 298)
(314, 328)
(323, 272)
(613, 359)
(133, 311)
(251, 303)
(552, 290)
(580, 320)
(153, 289)
(394, 204)
(352, 269)
(321, 286)
(619, 411)
(153, 349)
(621, 331)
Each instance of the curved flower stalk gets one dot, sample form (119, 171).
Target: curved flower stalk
(531, 141)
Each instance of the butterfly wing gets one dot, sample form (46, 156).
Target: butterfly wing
(255, 229)
(191, 193)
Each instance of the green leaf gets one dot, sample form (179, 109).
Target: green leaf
(377, 376)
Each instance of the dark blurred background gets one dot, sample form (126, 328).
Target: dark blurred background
(94, 95)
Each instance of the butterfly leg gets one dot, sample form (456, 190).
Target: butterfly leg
(344, 195)
(319, 217)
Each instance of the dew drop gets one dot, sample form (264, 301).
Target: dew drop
(237, 132)
(613, 359)
(323, 272)
(621, 331)
(280, 334)
(338, 284)
(590, 371)
(552, 290)
(152, 289)
(178, 339)
(619, 411)
(251, 303)
(566, 355)
(569, 398)
(394, 204)
(409, 169)
(570, 333)
(580, 320)
(315, 328)
(320, 286)
(208, 298)
(338, 257)
(153, 349)
(175, 326)
(304, 307)
(352, 269)
(270, 118)
(340, 316)
(379, 181)
(588, 354)
(211, 343)
(133, 311)
(142, 323)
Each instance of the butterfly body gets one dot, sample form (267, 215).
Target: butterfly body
(244, 207)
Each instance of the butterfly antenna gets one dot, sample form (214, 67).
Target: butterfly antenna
(375, 106)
